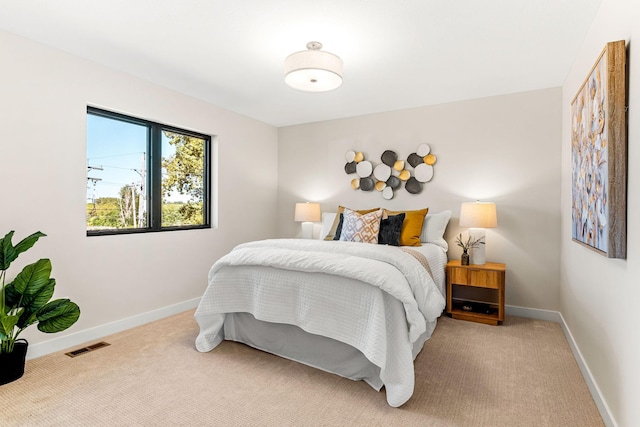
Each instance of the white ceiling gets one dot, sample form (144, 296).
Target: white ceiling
(397, 53)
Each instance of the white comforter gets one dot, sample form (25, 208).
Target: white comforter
(375, 298)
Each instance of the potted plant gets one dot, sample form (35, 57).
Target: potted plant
(25, 301)
(470, 243)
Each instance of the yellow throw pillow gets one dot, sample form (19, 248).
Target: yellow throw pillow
(411, 227)
(334, 226)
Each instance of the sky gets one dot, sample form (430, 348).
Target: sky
(116, 153)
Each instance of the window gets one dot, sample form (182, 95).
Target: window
(144, 176)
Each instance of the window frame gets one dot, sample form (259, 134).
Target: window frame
(154, 175)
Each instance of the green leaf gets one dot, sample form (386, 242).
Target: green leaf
(8, 253)
(33, 277)
(57, 315)
(11, 297)
(7, 323)
(41, 296)
(32, 303)
(28, 242)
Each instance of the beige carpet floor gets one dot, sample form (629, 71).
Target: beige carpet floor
(519, 374)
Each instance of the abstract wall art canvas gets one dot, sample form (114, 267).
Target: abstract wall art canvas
(599, 155)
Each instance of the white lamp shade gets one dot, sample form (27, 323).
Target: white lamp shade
(478, 215)
(313, 70)
(307, 212)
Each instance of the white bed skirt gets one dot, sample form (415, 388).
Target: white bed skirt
(293, 343)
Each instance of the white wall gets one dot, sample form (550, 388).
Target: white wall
(504, 149)
(43, 98)
(600, 296)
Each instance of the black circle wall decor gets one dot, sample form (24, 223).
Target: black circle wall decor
(389, 158)
(350, 167)
(413, 186)
(394, 182)
(366, 184)
(414, 160)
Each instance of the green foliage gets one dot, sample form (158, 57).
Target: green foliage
(185, 174)
(25, 300)
(104, 213)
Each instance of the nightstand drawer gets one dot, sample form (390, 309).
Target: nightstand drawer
(480, 278)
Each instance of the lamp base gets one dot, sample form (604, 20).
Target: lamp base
(307, 230)
(478, 254)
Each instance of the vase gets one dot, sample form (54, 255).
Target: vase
(12, 364)
(464, 260)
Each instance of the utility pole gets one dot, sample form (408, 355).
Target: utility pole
(142, 203)
(94, 181)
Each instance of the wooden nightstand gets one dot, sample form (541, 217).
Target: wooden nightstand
(476, 292)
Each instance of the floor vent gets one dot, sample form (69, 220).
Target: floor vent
(87, 349)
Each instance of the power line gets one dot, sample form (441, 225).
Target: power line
(114, 155)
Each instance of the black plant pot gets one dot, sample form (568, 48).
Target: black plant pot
(12, 364)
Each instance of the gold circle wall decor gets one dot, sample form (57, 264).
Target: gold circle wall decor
(430, 159)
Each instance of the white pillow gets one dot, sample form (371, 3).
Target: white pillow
(327, 222)
(433, 228)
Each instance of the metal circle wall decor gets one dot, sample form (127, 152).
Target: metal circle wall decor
(382, 172)
(387, 193)
(423, 172)
(389, 158)
(430, 159)
(364, 169)
(414, 160)
(350, 167)
(413, 186)
(394, 182)
(350, 156)
(388, 176)
(366, 184)
(404, 175)
(423, 150)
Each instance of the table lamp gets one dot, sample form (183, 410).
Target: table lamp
(307, 213)
(478, 216)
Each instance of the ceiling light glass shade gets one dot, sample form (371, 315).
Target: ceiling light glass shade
(313, 70)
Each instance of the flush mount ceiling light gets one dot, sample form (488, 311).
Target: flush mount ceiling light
(313, 70)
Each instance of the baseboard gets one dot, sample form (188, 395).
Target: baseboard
(81, 337)
(556, 316)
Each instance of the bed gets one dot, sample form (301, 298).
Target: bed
(362, 311)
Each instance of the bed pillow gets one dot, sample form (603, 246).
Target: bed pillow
(390, 229)
(327, 222)
(434, 227)
(362, 228)
(332, 231)
(412, 226)
(339, 227)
